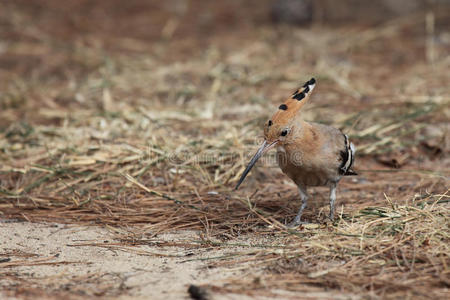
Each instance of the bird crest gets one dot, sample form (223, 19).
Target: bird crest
(287, 111)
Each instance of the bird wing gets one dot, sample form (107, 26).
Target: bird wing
(348, 157)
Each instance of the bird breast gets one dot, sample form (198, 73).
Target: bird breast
(303, 169)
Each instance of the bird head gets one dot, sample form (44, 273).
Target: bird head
(277, 130)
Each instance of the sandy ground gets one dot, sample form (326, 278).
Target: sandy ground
(139, 270)
(44, 260)
(55, 258)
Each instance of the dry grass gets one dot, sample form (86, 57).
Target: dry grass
(101, 129)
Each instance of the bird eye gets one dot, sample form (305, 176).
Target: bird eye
(284, 132)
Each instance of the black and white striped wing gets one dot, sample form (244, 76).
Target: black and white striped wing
(347, 158)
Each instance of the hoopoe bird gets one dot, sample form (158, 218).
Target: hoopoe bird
(311, 154)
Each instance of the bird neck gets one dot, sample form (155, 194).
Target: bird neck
(304, 138)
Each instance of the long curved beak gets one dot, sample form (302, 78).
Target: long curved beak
(263, 149)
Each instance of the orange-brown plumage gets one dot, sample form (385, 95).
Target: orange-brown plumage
(311, 154)
(287, 112)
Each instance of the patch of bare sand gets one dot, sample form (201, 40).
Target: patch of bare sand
(54, 261)
(51, 258)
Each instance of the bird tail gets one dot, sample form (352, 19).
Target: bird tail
(350, 172)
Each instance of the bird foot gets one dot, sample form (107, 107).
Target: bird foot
(296, 223)
(332, 221)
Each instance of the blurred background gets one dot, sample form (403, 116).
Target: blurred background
(126, 86)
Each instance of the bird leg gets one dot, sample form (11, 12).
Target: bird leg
(304, 198)
(332, 199)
